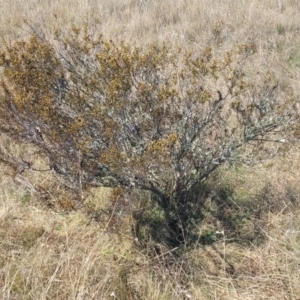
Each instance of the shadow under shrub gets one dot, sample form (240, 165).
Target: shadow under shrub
(199, 218)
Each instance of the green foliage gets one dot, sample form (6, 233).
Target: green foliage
(109, 114)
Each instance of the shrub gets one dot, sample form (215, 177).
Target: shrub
(109, 114)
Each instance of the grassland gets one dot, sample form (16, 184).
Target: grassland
(51, 253)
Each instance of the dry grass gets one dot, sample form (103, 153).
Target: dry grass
(49, 253)
(144, 21)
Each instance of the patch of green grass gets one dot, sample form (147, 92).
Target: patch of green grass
(294, 58)
(26, 198)
(280, 29)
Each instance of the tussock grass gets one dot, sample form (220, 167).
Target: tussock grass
(49, 251)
